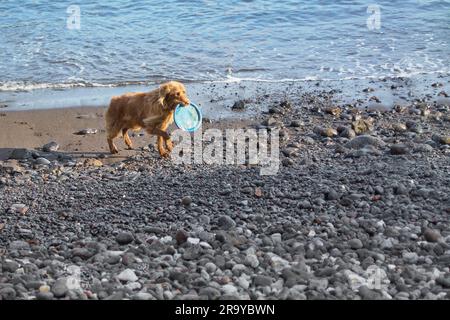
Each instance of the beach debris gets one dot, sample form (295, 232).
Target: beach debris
(87, 131)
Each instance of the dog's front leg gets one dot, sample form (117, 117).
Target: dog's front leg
(162, 136)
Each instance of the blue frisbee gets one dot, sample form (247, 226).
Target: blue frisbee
(188, 118)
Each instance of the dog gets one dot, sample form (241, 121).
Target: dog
(152, 111)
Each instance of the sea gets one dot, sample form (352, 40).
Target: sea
(75, 53)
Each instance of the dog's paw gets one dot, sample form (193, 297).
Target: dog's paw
(164, 154)
(169, 145)
(114, 151)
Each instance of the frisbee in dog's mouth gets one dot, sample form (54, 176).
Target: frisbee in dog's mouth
(188, 118)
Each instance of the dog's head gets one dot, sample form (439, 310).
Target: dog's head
(173, 93)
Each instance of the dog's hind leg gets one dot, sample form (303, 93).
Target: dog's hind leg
(126, 138)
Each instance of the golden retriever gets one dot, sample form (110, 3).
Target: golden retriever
(152, 111)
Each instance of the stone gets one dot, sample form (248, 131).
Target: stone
(86, 131)
(186, 201)
(127, 275)
(124, 238)
(19, 245)
(19, 208)
(238, 105)
(355, 244)
(348, 133)
(364, 140)
(399, 127)
(59, 288)
(50, 147)
(399, 149)
(181, 236)
(296, 123)
(362, 126)
(331, 195)
(251, 260)
(226, 223)
(10, 266)
(441, 139)
(42, 161)
(431, 235)
(262, 281)
(410, 257)
(93, 163)
(325, 132)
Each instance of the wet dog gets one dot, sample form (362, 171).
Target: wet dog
(152, 111)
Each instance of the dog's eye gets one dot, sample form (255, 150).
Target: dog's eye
(178, 94)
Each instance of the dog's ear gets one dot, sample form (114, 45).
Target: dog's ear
(164, 91)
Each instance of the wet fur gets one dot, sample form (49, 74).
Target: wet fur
(152, 111)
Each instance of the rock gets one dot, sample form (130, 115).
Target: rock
(364, 140)
(226, 223)
(355, 244)
(186, 201)
(399, 149)
(410, 257)
(444, 281)
(50, 147)
(210, 292)
(262, 281)
(318, 284)
(229, 289)
(193, 241)
(8, 293)
(10, 266)
(44, 296)
(20, 154)
(127, 275)
(19, 245)
(331, 195)
(347, 133)
(441, 139)
(238, 105)
(124, 238)
(335, 111)
(362, 126)
(431, 235)
(18, 208)
(423, 148)
(368, 294)
(251, 260)
(399, 127)
(87, 131)
(42, 161)
(59, 288)
(414, 127)
(296, 123)
(93, 163)
(181, 236)
(325, 132)
(143, 296)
